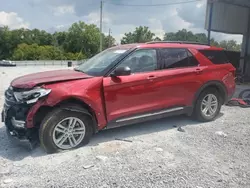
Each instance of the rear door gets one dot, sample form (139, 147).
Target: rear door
(179, 78)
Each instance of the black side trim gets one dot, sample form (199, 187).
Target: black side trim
(84, 111)
(218, 84)
(121, 122)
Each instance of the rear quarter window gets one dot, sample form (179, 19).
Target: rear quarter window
(216, 57)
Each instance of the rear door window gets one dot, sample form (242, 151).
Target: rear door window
(215, 56)
(170, 58)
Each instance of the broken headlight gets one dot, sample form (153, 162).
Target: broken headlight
(31, 96)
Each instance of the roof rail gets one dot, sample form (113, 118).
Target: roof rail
(179, 42)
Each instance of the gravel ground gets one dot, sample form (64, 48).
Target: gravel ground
(153, 154)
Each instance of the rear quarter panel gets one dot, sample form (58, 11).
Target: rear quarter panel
(224, 73)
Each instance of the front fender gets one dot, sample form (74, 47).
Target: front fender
(90, 94)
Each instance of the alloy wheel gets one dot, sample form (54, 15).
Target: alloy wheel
(69, 133)
(209, 105)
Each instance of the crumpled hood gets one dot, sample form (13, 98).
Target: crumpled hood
(31, 80)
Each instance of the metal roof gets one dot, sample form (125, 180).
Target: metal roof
(242, 3)
(228, 16)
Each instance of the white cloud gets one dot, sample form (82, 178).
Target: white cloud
(63, 9)
(12, 20)
(58, 15)
(60, 26)
(173, 21)
(119, 31)
(222, 36)
(156, 27)
(94, 18)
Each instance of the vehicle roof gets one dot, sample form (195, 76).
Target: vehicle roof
(167, 45)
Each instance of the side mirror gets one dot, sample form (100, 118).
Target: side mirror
(121, 71)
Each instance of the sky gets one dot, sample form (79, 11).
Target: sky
(58, 15)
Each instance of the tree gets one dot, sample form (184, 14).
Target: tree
(141, 34)
(82, 38)
(59, 38)
(184, 35)
(230, 45)
(157, 39)
(79, 41)
(109, 41)
(5, 46)
(46, 52)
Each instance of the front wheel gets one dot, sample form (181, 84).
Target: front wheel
(64, 130)
(208, 105)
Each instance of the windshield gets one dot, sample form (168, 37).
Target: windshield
(100, 62)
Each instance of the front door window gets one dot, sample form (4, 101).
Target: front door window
(144, 60)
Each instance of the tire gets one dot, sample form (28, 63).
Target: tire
(245, 94)
(198, 114)
(47, 131)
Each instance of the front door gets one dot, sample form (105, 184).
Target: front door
(136, 93)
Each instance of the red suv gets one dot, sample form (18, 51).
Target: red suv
(122, 85)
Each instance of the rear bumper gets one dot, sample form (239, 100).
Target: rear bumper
(230, 93)
(228, 99)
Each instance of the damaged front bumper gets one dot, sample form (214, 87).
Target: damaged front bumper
(14, 120)
(14, 116)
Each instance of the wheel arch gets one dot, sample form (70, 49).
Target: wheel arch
(218, 85)
(71, 104)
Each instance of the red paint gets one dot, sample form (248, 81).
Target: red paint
(112, 98)
(86, 90)
(31, 80)
(138, 93)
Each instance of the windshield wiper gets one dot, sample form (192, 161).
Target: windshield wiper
(78, 70)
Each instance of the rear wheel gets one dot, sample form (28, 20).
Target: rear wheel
(208, 105)
(64, 130)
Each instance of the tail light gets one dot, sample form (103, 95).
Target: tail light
(232, 72)
(230, 75)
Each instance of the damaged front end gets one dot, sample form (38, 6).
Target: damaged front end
(17, 104)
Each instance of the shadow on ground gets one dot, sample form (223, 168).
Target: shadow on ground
(15, 151)
(126, 132)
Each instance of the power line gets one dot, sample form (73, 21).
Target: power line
(151, 5)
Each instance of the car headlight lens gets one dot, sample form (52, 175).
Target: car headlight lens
(31, 96)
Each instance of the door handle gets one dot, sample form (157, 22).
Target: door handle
(151, 77)
(198, 71)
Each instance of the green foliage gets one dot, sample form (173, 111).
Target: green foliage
(184, 35)
(46, 52)
(141, 34)
(75, 56)
(109, 41)
(82, 40)
(230, 45)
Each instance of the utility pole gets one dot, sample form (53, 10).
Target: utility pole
(101, 6)
(109, 38)
(210, 21)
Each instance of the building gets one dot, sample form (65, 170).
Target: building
(231, 17)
